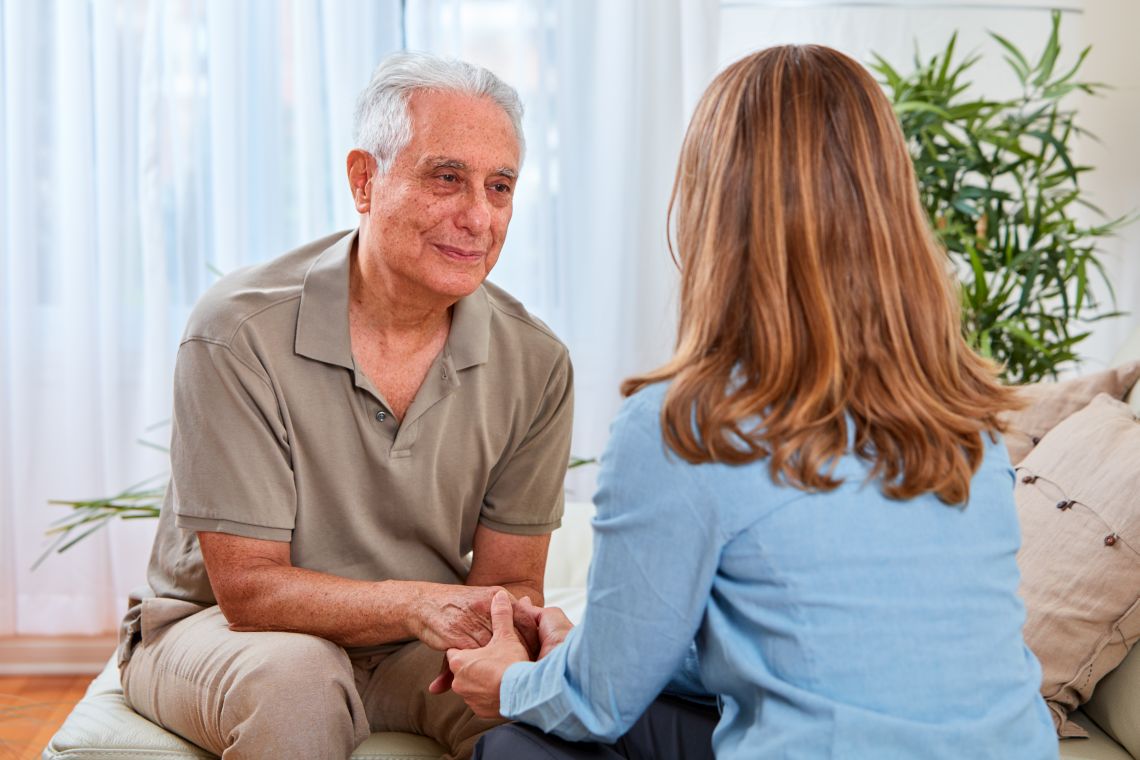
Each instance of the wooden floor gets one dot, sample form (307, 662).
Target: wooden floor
(32, 708)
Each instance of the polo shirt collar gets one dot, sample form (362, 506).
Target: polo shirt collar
(470, 337)
(322, 320)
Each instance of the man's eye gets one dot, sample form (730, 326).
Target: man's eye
(449, 177)
(501, 187)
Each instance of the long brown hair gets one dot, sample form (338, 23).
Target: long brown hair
(813, 293)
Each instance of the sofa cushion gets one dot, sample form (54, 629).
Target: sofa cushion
(1077, 501)
(1048, 403)
(102, 724)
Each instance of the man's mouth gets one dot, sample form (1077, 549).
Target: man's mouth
(459, 254)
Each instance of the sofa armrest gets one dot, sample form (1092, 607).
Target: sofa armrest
(1115, 703)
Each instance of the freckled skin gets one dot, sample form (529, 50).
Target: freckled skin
(431, 229)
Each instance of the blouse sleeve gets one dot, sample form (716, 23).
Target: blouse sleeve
(656, 549)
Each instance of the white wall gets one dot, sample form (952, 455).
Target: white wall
(891, 28)
(1111, 27)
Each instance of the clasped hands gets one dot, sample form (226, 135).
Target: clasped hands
(476, 674)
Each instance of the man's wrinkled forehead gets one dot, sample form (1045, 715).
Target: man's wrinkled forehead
(442, 120)
(446, 162)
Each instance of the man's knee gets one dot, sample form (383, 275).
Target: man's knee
(293, 658)
(278, 692)
(297, 680)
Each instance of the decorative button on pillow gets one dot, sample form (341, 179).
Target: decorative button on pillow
(1078, 499)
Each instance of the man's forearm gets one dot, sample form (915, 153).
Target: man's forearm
(514, 562)
(344, 611)
(258, 589)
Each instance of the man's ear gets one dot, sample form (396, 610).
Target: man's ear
(361, 171)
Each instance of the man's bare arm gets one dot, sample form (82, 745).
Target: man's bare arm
(517, 563)
(258, 589)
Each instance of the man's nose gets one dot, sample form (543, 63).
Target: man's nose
(475, 216)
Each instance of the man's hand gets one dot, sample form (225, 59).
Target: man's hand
(446, 616)
(552, 623)
(479, 672)
(525, 616)
(449, 616)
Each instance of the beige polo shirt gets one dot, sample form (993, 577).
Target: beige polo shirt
(278, 435)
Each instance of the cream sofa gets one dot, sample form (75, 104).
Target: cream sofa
(102, 727)
(1112, 716)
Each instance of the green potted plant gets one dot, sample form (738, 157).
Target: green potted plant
(1002, 191)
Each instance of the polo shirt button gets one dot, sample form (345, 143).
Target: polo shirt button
(380, 416)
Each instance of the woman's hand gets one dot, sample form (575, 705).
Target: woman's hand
(478, 673)
(552, 623)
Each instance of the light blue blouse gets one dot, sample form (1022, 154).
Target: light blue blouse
(832, 625)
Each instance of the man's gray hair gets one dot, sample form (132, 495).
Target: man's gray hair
(382, 125)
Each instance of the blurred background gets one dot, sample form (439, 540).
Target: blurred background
(147, 146)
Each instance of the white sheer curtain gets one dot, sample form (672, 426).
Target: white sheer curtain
(143, 145)
(147, 145)
(608, 87)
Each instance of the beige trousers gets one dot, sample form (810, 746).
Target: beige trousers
(286, 695)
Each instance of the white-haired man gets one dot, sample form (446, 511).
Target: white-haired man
(351, 420)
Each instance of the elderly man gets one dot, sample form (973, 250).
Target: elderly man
(369, 441)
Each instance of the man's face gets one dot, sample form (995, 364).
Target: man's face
(437, 220)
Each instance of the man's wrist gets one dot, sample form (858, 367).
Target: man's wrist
(519, 590)
(403, 606)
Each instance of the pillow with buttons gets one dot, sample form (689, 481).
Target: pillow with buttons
(1047, 403)
(1078, 501)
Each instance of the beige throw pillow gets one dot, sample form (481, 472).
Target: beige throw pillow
(1047, 403)
(1078, 499)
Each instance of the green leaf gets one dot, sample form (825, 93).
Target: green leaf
(947, 57)
(980, 287)
(1016, 59)
(1060, 149)
(1049, 55)
(917, 105)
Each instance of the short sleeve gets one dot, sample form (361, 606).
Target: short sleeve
(526, 497)
(229, 452)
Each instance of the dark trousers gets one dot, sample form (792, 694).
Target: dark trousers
(672, 728)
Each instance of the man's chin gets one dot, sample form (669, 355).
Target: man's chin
(459, 287)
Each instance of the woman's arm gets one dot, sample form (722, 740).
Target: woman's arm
(656, 549)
